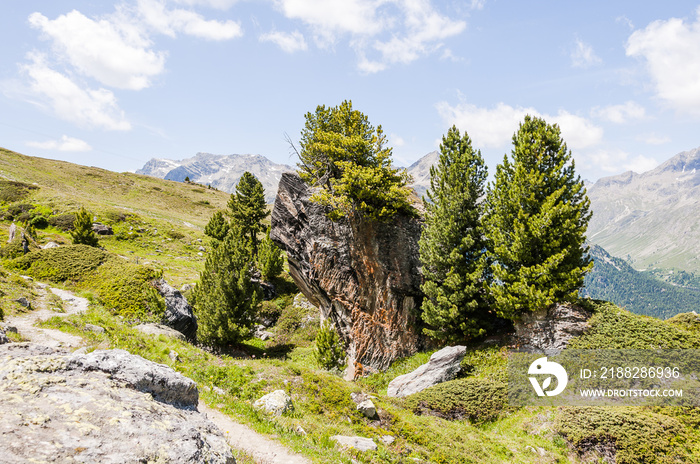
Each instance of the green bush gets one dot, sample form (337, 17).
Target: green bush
(82, 232)
(63, 222)
(71, 262)
(637, 436)
(324, 394)
(11, 191)
(329, 351)
(40, 222)
(270, 259)
(478, 400)
(16, 210)
(686, 321)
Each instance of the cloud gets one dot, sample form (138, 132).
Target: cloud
(64, 144)
(583, 56)
(620, 113)
(289, 42)
(653, 139)
(494, 127)
(69, 101)
(170, 22)
(671, 52)
(615, 161)
(396, 140)
(112, 52)
(218, 4)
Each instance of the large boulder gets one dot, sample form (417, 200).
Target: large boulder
(443, 365)
(106, 406)
(364, 275)
(178, 312)
(549, 330)
(278, 402)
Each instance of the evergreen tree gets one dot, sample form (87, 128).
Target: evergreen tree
(452, 246)
(346, 156)
(329, 352)
(82, 233)
(248, 209)
(217, 227)
(225, 300)
(270, 259)
(537, 217)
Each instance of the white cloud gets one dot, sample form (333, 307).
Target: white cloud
(620, 113)
(170, 22)
(289, 42)
(671, 50)
(64, 144)
(615, 161)
(494, 128)
(218, 4)
(114, 53)
(396, 140)
(85, 107)
(653, 139)
(478, 4)
(583, 56)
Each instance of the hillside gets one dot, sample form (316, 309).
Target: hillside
(220, 171)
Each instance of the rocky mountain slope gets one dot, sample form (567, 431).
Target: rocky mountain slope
(420, 171)
(220, 171)
(653, 217)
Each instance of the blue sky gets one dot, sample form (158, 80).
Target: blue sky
(113, 84)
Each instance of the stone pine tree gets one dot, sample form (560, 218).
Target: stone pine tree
(247, 207)
(226, 300)
(452, 246)
(82, 233)
(536, 222)
(217, 227)
(270, 259)
(328, 351)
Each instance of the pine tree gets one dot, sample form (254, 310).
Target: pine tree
(537, 217)
(329, 352)
(270, 259)
(217, 227)
(82, 233)
(247, 207)
(452, 246)
(225, 300)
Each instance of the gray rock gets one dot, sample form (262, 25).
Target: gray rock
(359, 443)
(159, 380)
(261, 333)
(442, 366)
(50, 245)
(186, 288)
(159, 329)
(363, 275)
(549, 331)
(388, 439)
(64, 412)
(101, 229)
(12, 232)
(3, 337)
(24, 302)
(277, 403)
(368, 409)
(178, 312)
(95, 328)
(201, 248)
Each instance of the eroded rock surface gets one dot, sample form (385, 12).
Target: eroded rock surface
(363, 275)
(549, 331)
(178, 312)
(443, 365)
(100, 408)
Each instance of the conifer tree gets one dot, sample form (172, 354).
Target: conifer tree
(329, 352)
(217, 227)
(247, 207)
(226, 300)
(82, 233)
(270, 259)
(536, 222)
(452, 246)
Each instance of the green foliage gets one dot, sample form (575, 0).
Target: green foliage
(247, 208)
(19, 212)
(270, 259)
(537, 214)
(614, 328)
(65, 263)
(637, 436)
(225, 299)
(217, 227)
(327, 395)
(63, 222)
(82, 233)
(11, 191)
(452, 247)
(329, 351)
(686, 321)
(346, 156)
(296, 324)
(478, 400)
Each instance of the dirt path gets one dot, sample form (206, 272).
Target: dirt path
(24, 323)
(239, 436)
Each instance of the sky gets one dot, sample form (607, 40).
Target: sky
(115, 83)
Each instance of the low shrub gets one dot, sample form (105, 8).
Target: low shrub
(478, 400)
(686, 321)
(40, 222)
(14, 211)
(633, 435)
(63, 222)
(329, 351)
(65, 263)
(11, 191)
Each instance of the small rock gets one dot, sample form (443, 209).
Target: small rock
(3, 337)
(159, 329)
(174, 356)
(95, 328)
(388, 439)
(102, 229)
(11, 329)
(277, 403)
(219, 391)
(443, 366)
(24, 302)
(359, 443)
(201, 248)
(50, 245)
(300, 430)
(186, 288)
(368, 409)
(200, 254)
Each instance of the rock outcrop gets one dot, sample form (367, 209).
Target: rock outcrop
(548, 331)
(105, 406)
(277, 403)
(363, 275)
(178, 312)
(443, 365)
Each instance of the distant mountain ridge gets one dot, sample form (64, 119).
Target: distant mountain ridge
(220, 171)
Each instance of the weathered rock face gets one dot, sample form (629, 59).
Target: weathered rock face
(102, 407)
(178, 312)
(443, 365)
(549, 331)
(364, 276)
